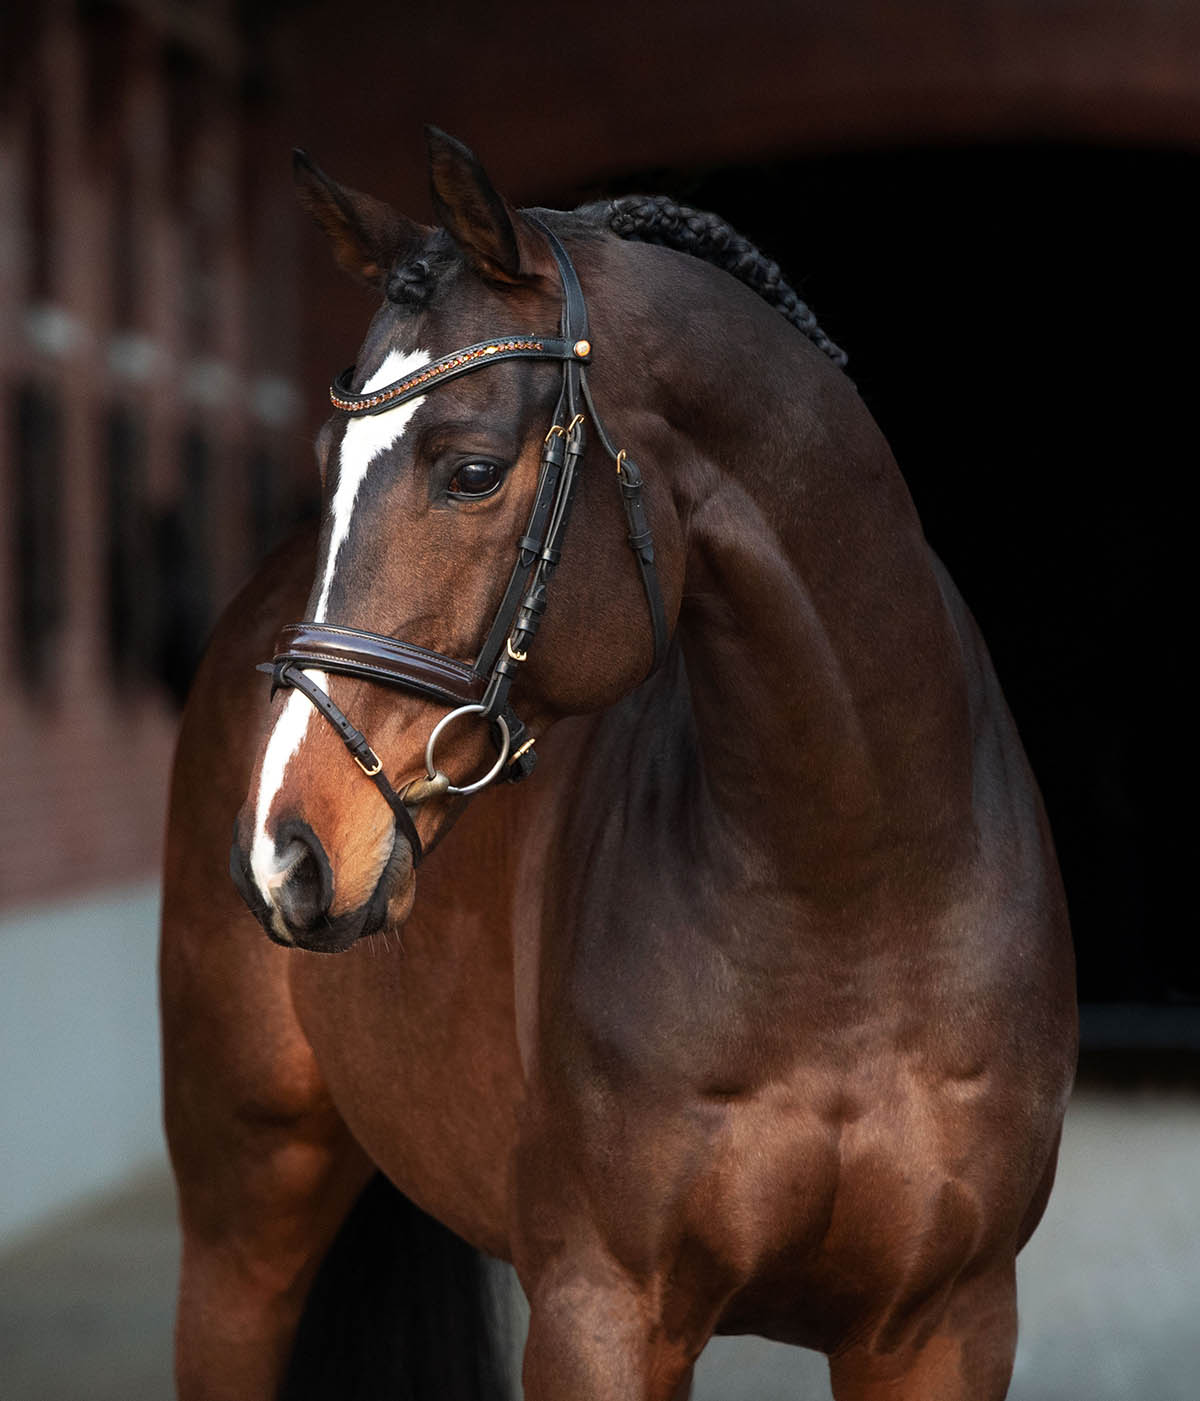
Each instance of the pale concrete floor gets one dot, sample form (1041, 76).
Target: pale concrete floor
(1110, 1285)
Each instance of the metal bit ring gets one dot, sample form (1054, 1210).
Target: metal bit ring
(493, 772)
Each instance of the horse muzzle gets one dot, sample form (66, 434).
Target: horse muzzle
(294, 898)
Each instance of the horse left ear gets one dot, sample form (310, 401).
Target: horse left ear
(498, 244)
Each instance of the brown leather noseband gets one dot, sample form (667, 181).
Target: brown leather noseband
(480, 687)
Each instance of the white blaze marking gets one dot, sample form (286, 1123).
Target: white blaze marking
(285, 740)
(364, 439)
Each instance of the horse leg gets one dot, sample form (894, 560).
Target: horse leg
(684, 1390)
(595, 1336)
(963, 1354)
(265, 1168)
(255, 1227)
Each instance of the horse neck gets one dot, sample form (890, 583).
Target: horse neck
(825, 677)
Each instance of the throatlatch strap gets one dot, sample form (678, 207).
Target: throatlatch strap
(642, 544)
(641, 541)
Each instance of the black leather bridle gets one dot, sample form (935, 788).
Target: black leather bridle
(480, 687)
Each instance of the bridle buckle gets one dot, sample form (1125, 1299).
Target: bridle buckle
(377, 763)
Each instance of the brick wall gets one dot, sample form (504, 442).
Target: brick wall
(149, 444)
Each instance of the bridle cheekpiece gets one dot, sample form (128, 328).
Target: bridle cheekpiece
(480, 687)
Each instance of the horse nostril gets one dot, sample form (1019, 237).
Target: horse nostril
(301, 885)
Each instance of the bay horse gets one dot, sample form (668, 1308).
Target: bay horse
(752, 1009)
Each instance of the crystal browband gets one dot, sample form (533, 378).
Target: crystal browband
(461, 362)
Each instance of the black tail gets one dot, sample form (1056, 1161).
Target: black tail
(400, 1310)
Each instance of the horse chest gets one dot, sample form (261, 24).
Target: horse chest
(415, 1039)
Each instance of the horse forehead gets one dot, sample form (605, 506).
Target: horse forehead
(366, 437)
(364, 441)
(397, 344)
(390, 336)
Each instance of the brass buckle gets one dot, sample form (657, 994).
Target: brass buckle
(515, 655)
(370, 773)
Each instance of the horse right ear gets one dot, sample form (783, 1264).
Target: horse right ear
(367, 235)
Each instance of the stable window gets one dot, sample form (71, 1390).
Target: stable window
(185, 545)
(128, 565)
(40, 589)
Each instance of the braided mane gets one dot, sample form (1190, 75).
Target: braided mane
(657, 219)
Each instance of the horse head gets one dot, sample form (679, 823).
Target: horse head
(445, 499)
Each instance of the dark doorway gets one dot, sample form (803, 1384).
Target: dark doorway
(1017, 320)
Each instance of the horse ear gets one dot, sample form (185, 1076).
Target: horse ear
(497, 242)
(367, 235)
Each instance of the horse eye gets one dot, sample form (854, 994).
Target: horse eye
(475, 479)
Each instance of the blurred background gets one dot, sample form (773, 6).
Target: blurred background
(989, 204)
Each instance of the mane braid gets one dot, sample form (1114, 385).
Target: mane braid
(657, 219)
